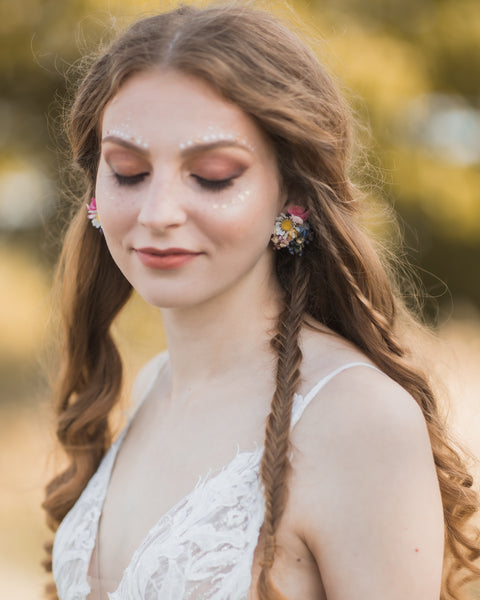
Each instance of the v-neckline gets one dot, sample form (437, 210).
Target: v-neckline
(299, 404)
(203, 480)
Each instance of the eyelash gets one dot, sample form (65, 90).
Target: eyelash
(129, 179)
(214, 185)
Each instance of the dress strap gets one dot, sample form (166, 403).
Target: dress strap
(155, 366)
(301, 402)
(158, 362)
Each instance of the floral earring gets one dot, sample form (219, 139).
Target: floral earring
(292, 230)
(93, 214)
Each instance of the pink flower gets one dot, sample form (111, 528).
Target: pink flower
(92, 206)
(93, 215)
(298, 211)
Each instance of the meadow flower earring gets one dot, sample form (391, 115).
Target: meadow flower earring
(292, 230)
(93, 214)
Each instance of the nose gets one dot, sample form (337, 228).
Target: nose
(162, 206)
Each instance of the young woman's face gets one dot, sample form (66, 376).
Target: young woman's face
(187, 190)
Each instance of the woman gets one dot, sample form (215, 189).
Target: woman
(284, 447)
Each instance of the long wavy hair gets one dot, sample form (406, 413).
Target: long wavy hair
(251, 59)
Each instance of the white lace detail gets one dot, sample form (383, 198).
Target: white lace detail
(201, 549)
(76, 535)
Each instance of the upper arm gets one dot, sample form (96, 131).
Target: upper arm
(366, 485)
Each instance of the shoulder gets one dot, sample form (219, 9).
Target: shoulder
(364, 484)
(355, 397)
(360, 416)
(361, 430)
(360, 399)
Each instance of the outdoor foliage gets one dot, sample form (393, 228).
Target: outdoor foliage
(410, 70)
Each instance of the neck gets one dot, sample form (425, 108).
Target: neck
(224, 336)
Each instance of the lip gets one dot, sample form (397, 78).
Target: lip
(165, 259)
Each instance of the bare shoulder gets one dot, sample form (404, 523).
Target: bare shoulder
(361, 425)
(363, 401)
(358, 399)
(364, 490)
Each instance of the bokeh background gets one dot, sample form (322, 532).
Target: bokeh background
(410, 69)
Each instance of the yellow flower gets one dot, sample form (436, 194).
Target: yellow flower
(286, 225)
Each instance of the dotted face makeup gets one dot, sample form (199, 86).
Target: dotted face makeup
(124, 134)
(213, 136)
(237, 200)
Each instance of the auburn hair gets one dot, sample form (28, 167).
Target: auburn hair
(251, 59)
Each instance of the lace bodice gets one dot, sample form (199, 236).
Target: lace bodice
(201, 549)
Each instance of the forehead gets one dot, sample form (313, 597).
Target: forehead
(171, 106)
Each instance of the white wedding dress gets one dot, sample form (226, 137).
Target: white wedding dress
(201, 549)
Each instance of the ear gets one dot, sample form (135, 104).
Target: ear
(289, 199)
(297, 210)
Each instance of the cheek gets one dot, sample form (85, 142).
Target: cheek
(115, 209)
(248, 219)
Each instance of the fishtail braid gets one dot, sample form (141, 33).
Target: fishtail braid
(275, 464)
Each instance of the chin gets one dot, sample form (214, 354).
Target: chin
(176, 300)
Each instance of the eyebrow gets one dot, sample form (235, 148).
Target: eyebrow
(199, 147)
(195, 148)
(126, 144)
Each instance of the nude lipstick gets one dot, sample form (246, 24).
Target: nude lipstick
(165, 260)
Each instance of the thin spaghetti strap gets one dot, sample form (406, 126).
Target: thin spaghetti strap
(160, 362)
(301, 402)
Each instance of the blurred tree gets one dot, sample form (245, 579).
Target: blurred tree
(414, 65)
(42, 39)
(398, 58)
(38, 46)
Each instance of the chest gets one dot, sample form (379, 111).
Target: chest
(164, 530)
(200, 547)
(211, 543)
(160, 462)
(173, 493)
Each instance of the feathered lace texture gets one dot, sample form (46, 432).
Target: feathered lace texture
(202, 548)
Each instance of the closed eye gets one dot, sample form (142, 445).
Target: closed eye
(214, 185)
(129, 179)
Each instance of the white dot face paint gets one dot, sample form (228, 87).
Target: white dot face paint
(217, 138)
(123, 132)
(213, 136)
(237, 200)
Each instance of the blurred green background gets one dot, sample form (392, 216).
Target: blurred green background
(411, 70)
